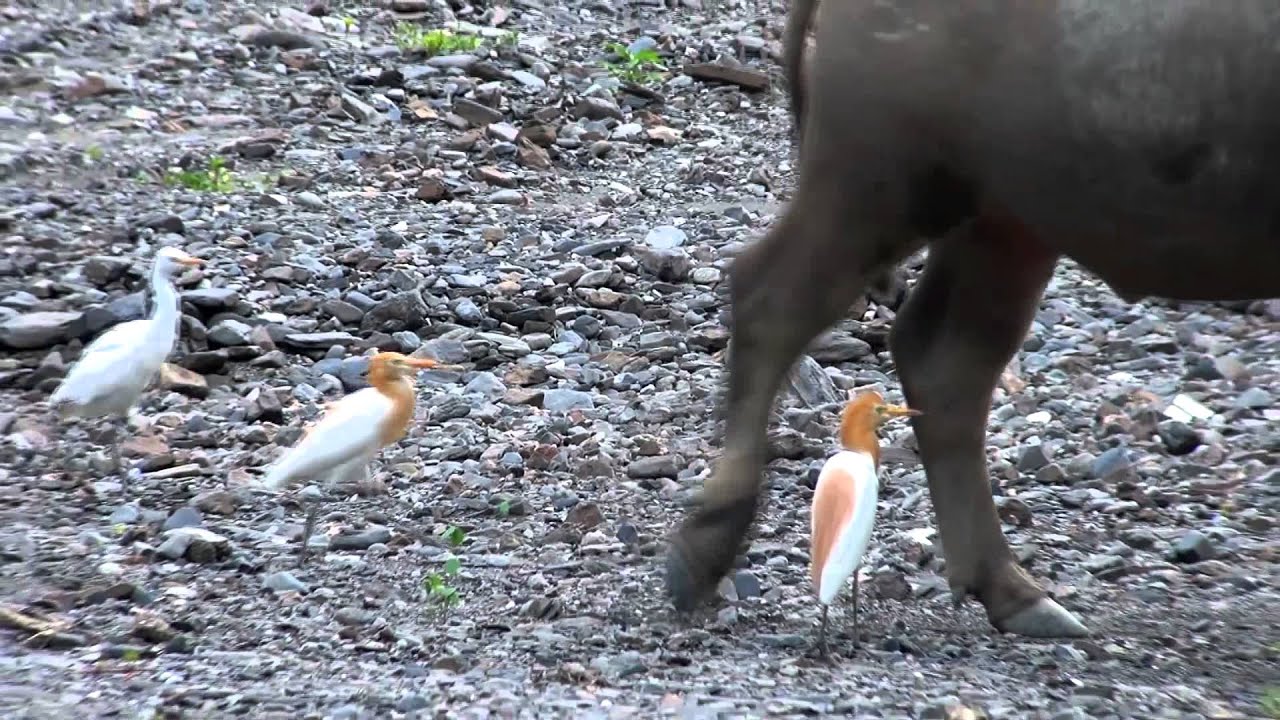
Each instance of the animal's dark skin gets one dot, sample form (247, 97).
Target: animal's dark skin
(1136, 137)
(798, 19)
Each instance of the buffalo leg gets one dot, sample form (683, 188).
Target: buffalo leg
(792, 284)
(958, 329)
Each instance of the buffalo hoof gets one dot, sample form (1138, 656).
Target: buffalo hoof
(704, 550)
(1044, 619)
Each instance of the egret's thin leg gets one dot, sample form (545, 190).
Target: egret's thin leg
(308, 527)
(117, 437)
(856, 632)
(822, 635)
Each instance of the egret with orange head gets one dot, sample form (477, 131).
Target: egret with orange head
(844, 502)
(342, 444)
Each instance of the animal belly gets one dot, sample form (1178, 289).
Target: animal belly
(1147, 150)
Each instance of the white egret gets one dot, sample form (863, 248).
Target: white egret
(114, 369)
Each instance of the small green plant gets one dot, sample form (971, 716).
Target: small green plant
(504, 508)
(437, 584)
(215, 177)
(510, 39)
(1271, 702)
(131, 655)
(94, 153)
(454, 535)
(642, 67)
(410, 37)
(348, 22)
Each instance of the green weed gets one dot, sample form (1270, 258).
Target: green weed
(437, 584)
(454, 535)
(643, 67)
(410, 37)
(213, 178)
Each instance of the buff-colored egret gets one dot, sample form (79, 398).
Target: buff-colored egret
(844, 502)
(341, 445)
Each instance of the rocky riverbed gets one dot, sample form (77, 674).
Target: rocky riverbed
(559, 217)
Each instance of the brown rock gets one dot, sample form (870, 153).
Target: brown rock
(144, 446)
(494, 176)
(585, 515)
(523, 396)
(432, 189)
(94, 84)
(216, 502)
(179, 379)
(524, 374)
(475, 113)
(891, 585)
(1014, 511)
(745, 78)
(540, 134)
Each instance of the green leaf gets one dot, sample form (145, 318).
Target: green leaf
(452, 566)
(454, 535)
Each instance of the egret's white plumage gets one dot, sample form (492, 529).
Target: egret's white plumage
(114, 369)
(349, 433)
(846, 494)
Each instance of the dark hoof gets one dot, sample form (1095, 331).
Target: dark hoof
(1044, 619)
(704, 550)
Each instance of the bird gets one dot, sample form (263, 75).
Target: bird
(844, 502)
(342, 444)
(113, 370)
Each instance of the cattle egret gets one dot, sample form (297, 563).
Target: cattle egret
(341, 445)
(844, 502)
(117, 366)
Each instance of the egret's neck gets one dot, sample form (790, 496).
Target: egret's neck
(396, 388)
(400, 391)
(165, 313)
(859, 435)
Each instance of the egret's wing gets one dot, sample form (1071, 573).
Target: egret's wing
(348, 430)
(104, 365)
(125, 336)
(844, 511)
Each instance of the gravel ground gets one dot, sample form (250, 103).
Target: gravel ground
(517, 208)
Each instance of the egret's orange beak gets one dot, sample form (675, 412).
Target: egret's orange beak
(429, 364)
(900, 411)
(191, 261)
